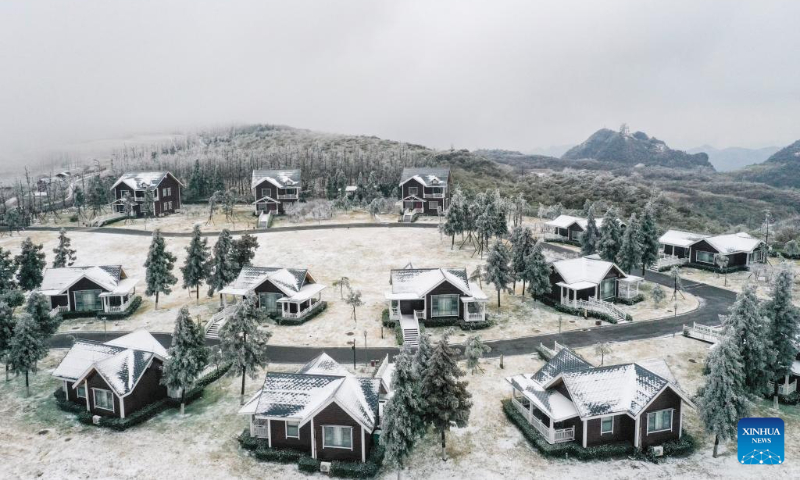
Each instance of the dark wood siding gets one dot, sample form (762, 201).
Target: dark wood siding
(667, 399)
(148, 389)
(82, 284)
(407, 307)
(574, 230)
(701, 246)
(334, 415)
(555, 290)
(624, 428)
(267, 287)
(174, 196)
(58, 300)
(279, 440)
(96, 381)
(446, 288)
(412, 184)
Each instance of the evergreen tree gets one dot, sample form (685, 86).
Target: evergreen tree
(498, 269)
(198, 184)
(454, 219)
(159, 265)
(13, 220)
(658, 295)
(98, 197)
(630, 253)
(7, 324)
(784, 322)
(591, 236)
(498, 209)
(38, 306)
(188, 355)
(750, 331)
(79, 199)
(521, 245)
(610, 236)
(31, 263)
(791, 249)
(27, 347)
(196, 267)
(447, 401)
(402, 415)
(8, 270)
(243, 251)
(224, 269)
(648, 236)
(149, 204)
(242, 343)
(473, 351)
(65, 256)
(422, 357)
(723, 400)
(537, 272)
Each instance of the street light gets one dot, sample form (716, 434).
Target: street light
(354, 353)
(365, 347)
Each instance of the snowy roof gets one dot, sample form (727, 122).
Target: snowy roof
(414, 283)
(583, 269)
(563, 361)
(552, 402)
(289, 280)
(680, 238)
(302, 395)
(57, 280)
(734, 243)
(140, 180)
(565, 221)
(385, 373)
(279, 178)
(121, 362)
(350, 188)
(796, 368)
(426, 176)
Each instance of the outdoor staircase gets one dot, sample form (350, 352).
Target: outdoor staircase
(409, 216)
(218, 320)
(602, 307)
(410, 327)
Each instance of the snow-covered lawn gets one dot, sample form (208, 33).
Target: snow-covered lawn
(737, 280)
(40, 440)
(365, 256)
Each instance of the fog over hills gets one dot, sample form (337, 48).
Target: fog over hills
(734, 158)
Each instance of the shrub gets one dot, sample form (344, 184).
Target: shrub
(475, 325)
(132, 307)
(681, 447)
(565, 241)
(248, 442)
(70, 315)
(366, 469)
(436, 322)
(308, 464)
(277, 455)
(630, 301)
(716, 269)
(385, 319)
(73, 217)
(579, 312)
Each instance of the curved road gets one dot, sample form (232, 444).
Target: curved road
(714, 302)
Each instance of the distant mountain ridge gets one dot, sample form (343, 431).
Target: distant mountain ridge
(782, 169)
(734, 158)
(622, 147)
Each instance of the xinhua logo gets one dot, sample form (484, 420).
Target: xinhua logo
(761, 441)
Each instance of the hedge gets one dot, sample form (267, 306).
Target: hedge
(278, 455)
(716, 269)
(70, 315)
(630, 301)
(293, 322)
(366, 469)
(135, 304)
(436, 322)
(385, 319)
(308, 464)
(575, 243)
(681, 447)
(579, 312)
(465, 325)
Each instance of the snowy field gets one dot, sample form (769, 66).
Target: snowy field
(365, 256)
(41, 441)
(737, 280)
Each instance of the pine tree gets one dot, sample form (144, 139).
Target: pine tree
(38, 306)
(610, 237)
(498, 208)
(149, 204)
(454, 219)
(188, 355)
(791, 249)
(65, 256)
(79, 199)
(498, 269)
(8, 270)
(784, 322)
(422, 358)
(630, 253)
(447, 401)
(159, 265)
(13, 220)
(473, 351)
(402, 423)
(244, 250)
(98, 197)
(242, 343)
(31, 263)
(723, 399)
(648, 235)
(196, 267)
(591, 235)
(521, 245)
(750, 331)
(27, 347)
(537, 272)
(7, 324)
(224, 269)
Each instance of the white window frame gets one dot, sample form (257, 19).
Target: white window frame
(78, 391)
(433, 205)
(697, 257)
(295, 425)
(342, 428)
(265, 192)
(434, 302)
(111, 395)
(166, 192)
(603, 419)
(413, 191)
(659, 412)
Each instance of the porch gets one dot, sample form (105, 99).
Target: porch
(546, 429)
(474, 309)
(296, 309)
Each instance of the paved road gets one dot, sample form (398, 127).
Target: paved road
(714, 302)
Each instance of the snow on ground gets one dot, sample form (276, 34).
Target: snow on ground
(737, 280)
(40, 440)
(365, 256)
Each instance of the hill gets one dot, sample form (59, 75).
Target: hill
(734, 158)
(624, 148)
(782, 169)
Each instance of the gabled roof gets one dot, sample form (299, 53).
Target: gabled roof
(428, 177)
(566, 221)
(289, 280)
(414, 283)
(564, 361)
(734, 243)
(324, 365)
(679, 238)
(279, 178)
(584, 269)
(141, 180)
(56, 281)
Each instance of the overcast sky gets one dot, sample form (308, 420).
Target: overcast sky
(502, 74)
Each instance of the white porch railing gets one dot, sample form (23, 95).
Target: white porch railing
(419, 315)
(601, 307)
(58, 309)
(475, 317)
(551, 435)
(433, 195)
(260, 431)
(287, 196)
(555, 236)
(666, 261)
(118, 308)
(303, 313)
(703, 332)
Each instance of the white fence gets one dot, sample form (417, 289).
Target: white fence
(601, 307)
(703, 332)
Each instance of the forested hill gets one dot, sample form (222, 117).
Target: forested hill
(782, 169)
(624, 148)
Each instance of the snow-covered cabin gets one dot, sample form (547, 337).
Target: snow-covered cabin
(741, 248)
(567, 227)
(569, 400)
(165, 187)
(590, 278)
(322, 409)
(425, 190)
(290, 293)
(114, 378)
(103, 288)
(274, 189)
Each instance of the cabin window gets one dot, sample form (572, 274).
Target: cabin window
(660, 421)
(81, 391)
(607, 425)
(433, 205)
(412, 191)
(264, 192)
(337, 437)
(292, 430)
(103, 399)
(607, 288)
(444, 305)
(166, 191)
(269, 301)
(705, 257)
(88, 301)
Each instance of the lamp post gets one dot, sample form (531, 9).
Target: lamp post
(365, 347)
(354, 353)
